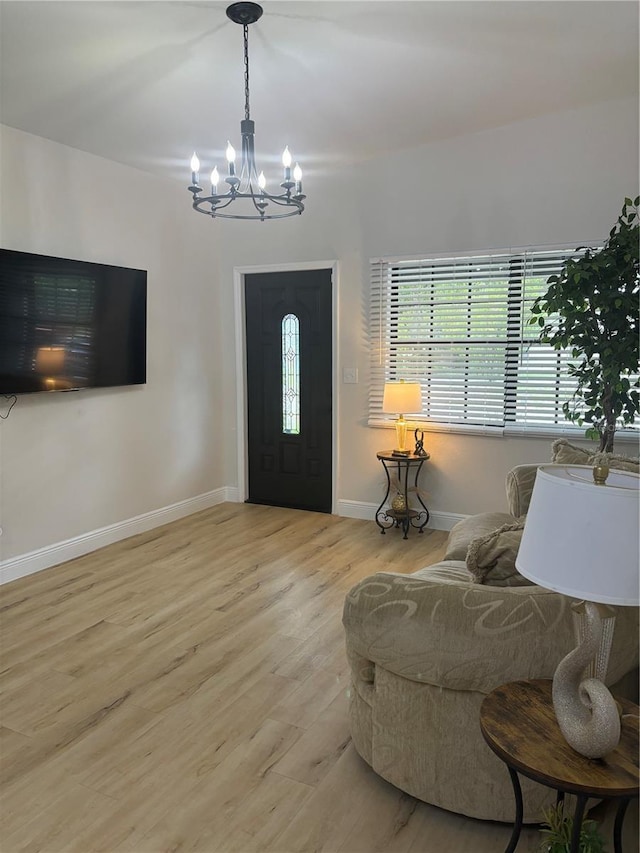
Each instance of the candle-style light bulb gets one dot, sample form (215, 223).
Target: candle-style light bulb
(297, 173)
(262, 181)
(231, 156)
(195, 168)
(286, 162)
(215, 177)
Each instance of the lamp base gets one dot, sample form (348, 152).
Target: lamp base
(586, 711)
(401, 437)
(599, 663)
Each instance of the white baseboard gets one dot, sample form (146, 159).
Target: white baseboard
(60, 552)
(356, 509)
(367, 512)
(444, 520)
(232, 494)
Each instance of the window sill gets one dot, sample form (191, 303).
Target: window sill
(628, 437)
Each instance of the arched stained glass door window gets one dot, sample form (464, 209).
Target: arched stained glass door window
(290, 374)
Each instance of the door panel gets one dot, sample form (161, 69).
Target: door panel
(288, 468)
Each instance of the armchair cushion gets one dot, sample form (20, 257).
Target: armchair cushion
(492, 559)
(565, 453)
(519, 486)
(470, 528)
(615, 460)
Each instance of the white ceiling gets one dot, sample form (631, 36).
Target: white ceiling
(146, 83)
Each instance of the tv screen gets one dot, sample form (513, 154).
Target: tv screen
(68, 324)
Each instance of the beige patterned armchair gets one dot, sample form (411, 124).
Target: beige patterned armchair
(425, 649)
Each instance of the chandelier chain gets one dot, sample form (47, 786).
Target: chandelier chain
(246, 72)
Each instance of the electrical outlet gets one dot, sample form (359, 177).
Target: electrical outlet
(350, 375)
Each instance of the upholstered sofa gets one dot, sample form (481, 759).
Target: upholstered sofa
(424, 649)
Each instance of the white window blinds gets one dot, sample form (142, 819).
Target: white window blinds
(459, 327)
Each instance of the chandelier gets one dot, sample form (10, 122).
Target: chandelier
(247, 189)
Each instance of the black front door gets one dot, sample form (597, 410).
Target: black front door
(289, 346)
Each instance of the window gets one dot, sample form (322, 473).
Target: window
(65, 307)
(459, 326)
(290, 375)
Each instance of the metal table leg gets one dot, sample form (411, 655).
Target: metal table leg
(418, 522)
(517, 826)
(405, 519)
(617, 827)
(379, 513)
(577, 823)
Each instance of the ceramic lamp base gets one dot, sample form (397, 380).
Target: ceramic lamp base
(597, 667)
(586, 712)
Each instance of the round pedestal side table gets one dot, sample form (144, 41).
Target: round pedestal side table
(519, 724)
(402, 515)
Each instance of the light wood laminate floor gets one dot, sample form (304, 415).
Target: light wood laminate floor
(186, 689)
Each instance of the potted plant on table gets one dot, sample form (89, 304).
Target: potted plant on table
(591, 308)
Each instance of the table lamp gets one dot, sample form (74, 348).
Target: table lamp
(398, 398)
(581, 539)
(50, 364)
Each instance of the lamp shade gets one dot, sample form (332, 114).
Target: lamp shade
(50, 360)
(581, 539)
(401, 397)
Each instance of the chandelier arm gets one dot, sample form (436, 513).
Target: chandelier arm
(260, 204)
(278, 199)
(217, 205)
(288, 201)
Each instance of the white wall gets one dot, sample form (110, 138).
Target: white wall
(74, 463)
(71, 463)
(556, 179)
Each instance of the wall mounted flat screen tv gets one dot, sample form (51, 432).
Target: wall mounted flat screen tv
(67, 324)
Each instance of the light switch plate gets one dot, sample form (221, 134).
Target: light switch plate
(350, 375)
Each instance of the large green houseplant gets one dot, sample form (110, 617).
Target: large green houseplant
(591, 308)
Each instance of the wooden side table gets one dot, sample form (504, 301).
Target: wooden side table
(519, 724)
(406, 517)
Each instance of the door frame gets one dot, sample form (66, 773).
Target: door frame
(239, 274)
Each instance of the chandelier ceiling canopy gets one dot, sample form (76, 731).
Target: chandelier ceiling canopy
(246, 195)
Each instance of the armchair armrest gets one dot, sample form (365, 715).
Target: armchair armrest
(439, 627)
(519, 485)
